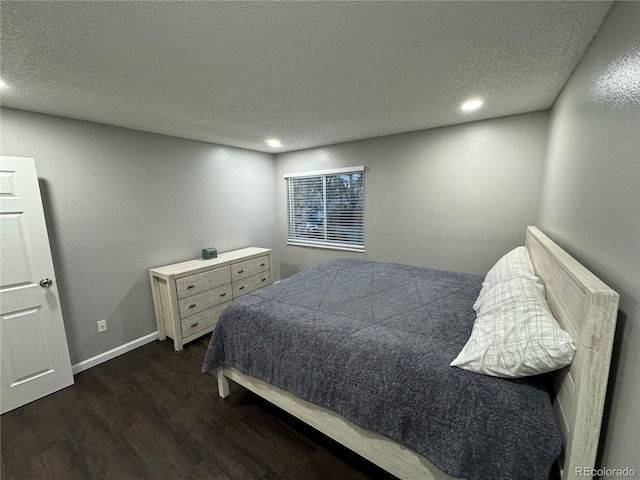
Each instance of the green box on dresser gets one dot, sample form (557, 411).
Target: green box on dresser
(188, 297)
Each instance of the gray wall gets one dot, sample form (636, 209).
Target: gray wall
(591, 201)
(454, 198)
(120, 201)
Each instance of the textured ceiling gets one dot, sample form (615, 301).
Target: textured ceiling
(308, 73)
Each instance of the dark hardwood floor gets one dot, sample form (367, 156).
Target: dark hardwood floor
(151, 414)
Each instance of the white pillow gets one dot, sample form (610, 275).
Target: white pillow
(516, 263)
(504, 294)
(517, 338)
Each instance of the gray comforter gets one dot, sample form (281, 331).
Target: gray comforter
(373, 342)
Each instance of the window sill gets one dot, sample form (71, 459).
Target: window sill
(326, 246)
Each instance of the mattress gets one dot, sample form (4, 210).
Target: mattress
(373, 342)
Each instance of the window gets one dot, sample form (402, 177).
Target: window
(326, 209)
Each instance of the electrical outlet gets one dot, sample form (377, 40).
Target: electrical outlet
(102, 326)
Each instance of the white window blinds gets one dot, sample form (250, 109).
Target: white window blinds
(326, 208)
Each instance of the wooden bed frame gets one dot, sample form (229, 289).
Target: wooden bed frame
(582, 304)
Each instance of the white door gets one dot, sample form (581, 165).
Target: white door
(34, 352)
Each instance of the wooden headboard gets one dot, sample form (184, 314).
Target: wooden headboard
(586, 308)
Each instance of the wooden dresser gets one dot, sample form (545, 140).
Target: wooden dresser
(189, 297)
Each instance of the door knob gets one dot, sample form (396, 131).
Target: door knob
(46, 282)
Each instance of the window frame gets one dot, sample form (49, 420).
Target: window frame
(315, 243)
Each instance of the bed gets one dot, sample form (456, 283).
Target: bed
(333, 380)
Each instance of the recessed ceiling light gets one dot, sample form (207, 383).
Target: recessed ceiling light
(471, 104)
(273, 142)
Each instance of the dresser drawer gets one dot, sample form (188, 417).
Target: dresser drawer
(197, 303)
(194, 284)
(251, 283)
(249, 267)
(202, 320)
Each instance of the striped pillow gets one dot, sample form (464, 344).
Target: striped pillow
(515, 334)
(516, 263)
(514, 290)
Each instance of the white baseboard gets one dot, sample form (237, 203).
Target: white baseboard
(116, 352)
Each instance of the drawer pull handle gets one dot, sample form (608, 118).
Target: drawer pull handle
(190, 287)
(262, 264)
(241, 288)
(192, 305)
(240, 271)
(263, 280)
(194, 325)
(222, 294)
